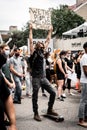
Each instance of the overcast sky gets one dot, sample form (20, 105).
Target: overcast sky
(16, 12)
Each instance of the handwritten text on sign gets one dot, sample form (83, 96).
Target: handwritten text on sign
(40, 18)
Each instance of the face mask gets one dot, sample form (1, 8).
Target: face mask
(7, 52)
(42, 50)
(17, 54)
(63, 57)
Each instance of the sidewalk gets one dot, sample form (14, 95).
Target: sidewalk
(68, 109)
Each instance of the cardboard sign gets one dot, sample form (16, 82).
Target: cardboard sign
(40, 18)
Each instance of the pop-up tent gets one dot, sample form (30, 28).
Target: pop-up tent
(75, 31)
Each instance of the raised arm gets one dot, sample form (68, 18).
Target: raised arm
(48, 37)
(31, 39)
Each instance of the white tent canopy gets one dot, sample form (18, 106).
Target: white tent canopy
(76, 30)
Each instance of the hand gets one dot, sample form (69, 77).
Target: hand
(14, 85)
(30, 26)
(72, 70)
(11, 85)
(51, 28)
(21, 75)
(12, 127)
(66, 75)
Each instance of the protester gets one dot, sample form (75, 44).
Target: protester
(5, 50)
(47, 67)
(69, 62)
(61, 74)
(28, 78)
(17, 71)
(48, 75)
(6, 101)
(39, 76)
(78, 70)
(83, 80)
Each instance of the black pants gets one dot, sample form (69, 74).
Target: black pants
(43, 82)
(42, 90)
(69, 84)
(2, 125)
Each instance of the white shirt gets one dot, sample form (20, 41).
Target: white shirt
(83, 62)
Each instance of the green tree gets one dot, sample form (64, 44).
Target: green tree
(64, 19)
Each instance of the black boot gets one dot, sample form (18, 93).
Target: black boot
(37, 117)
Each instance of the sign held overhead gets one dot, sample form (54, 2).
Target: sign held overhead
(40, 18)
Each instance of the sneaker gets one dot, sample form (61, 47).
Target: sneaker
(63, 95)
(52, 112)
(72, 94)
(37, 117)
(60, 98)
(44, 95)
(22, 97)
(16, 102)
(28, 95)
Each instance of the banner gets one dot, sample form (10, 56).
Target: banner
(49, 48)
(40, 18)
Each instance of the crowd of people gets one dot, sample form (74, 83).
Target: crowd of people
(40, 69)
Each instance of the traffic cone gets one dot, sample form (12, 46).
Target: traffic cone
(76, 86)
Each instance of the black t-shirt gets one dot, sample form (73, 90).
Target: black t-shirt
(38, 64)
(69, 62)
(4, 93)
(6, 71)
(60, 75)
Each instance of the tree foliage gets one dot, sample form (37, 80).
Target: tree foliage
(64, 19)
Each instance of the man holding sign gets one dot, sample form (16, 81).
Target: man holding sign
(39, 75)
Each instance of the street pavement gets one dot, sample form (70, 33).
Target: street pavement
(67, 108)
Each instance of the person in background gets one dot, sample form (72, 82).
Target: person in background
(61, 74)
(28, 82)
(71, 65)
(82, 114)
(16, 69)
(5, 50)
(47, 67)
(5, 70)
(6, 101)
(77, 68)
(78, 71)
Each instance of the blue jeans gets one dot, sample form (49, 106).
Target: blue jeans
(44, 83)
(83, 102)
(18, 90)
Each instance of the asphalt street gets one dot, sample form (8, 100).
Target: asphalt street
(67, 108)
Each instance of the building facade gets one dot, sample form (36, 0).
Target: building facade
(75, 44)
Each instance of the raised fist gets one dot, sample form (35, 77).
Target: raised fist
(51, 28)
(30, 26)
